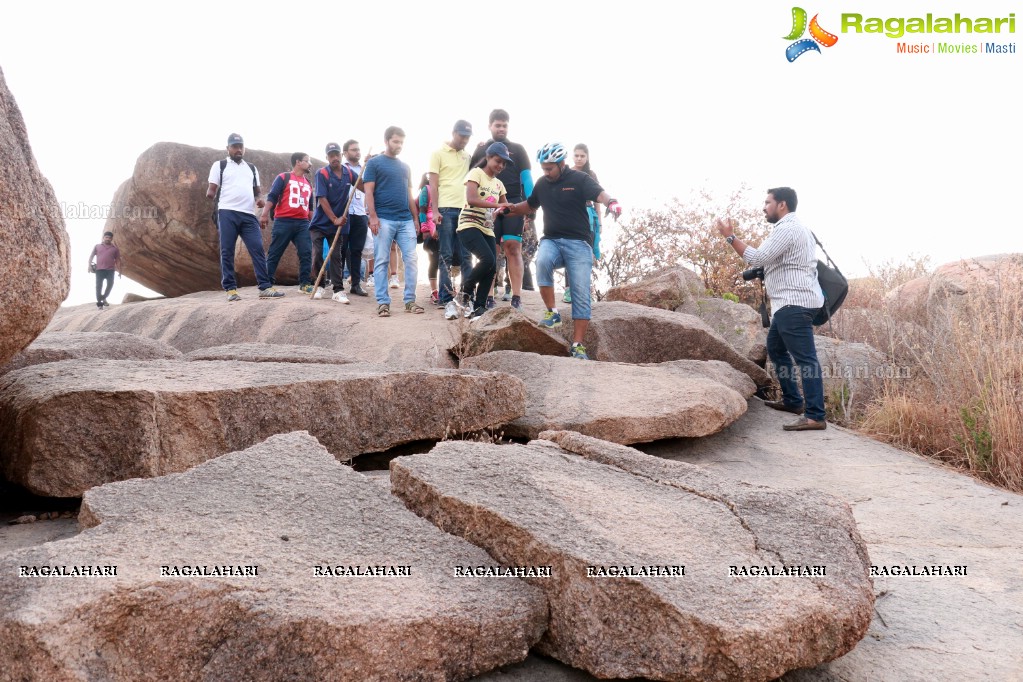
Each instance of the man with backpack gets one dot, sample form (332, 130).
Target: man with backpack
(234, 187)
(333, 186)
(288, 200)
(789, 259)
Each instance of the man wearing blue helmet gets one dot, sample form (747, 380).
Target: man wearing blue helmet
(562, 193)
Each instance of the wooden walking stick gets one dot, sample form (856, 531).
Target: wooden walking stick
(333, 243)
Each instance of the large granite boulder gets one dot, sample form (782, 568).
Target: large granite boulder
(167, 238)
(668, 288)
(507, 329)
(737, 323)
(275, 563)
(852, 372)
(620, 402)
(68, 426)
(661, 569)
(57, 346)
(207, 320)
(627, 332)
(35, 269)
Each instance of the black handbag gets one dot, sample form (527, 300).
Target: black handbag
(833, 284)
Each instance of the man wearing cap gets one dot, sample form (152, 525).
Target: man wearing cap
(517, 179)
(234, 185)
(484, 192)
(107, 261)
(448, 167)
(562, 193)
(333, 185)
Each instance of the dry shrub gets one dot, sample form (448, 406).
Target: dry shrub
(964, 400)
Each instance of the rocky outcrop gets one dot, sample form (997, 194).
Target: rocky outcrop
(668, 288)
(338, 581)
(620, 402)
(508, 329)
(167, 238)
(57, 346)
(658, 566)
(207, 319)
(266, 352)
(35, 268)
(68, 426)
(852, 372)
(626, 332)
(737, 323)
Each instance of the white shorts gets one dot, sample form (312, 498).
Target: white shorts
(367, 250)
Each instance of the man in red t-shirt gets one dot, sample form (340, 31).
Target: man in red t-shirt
(107, 261)
(289, 199)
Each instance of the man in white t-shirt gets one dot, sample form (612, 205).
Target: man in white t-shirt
(234, 185)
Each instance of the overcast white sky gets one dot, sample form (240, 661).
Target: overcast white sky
(891, 154)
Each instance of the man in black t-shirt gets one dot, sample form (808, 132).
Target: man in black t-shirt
(517, 179)
(562, 193)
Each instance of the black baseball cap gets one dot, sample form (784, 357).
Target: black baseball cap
(234, 138)
(463, 127)
(333, 147)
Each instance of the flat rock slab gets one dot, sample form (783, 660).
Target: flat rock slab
(508, 329)
(57, 346)
(284, 507)
(627, 332)
(620, 402)
(267, 352)
(604, 508)
(68, 426)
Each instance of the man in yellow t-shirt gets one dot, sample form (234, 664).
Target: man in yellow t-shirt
(448, 166)
(483, 194)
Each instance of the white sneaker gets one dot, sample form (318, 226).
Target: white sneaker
(340, 297)
(319, 293)
(451, 311)
(394, 283)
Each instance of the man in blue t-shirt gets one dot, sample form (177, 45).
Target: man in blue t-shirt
(333, 185)
(393, 217)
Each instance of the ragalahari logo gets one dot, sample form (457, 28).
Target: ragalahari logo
(817, 35)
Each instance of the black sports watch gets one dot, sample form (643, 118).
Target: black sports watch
(730, 238)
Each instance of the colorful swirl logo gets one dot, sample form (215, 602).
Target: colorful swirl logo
(817, 35)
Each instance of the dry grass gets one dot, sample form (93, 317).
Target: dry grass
(963, 402)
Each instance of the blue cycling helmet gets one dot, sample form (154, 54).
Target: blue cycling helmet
(552, 152)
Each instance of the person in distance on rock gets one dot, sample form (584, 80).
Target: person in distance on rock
(289, 199)
(107, 261)
(393, 217)
(567, 243)
(234, 185)
(789, 259)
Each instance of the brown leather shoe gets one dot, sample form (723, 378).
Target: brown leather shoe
(780, 405)
(804, 424)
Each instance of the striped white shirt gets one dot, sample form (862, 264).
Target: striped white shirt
(789, 259)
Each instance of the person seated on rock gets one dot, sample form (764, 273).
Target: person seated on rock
(234, 187)
(789, 259)
(289, 199)
(567, 241)
(107, 261)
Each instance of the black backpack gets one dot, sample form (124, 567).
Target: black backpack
(833, 284)
(216, 199)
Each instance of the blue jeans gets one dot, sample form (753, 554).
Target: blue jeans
(448, 243)
(234, 224)
(403, 232)
(791, 338)
(290, 231)
(576, 257)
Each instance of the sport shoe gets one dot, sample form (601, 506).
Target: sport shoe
(551, 320)
(567, 298)
(383, 310)
(306, 288)
(270, 293)
(475, 315)
(319, 294)
(579, 351)
(491, 303)
(232, 295)
(339, 297)
(507, 295)
(451, 311)
(516, 302)
(393, 282)
(434, 297)
(413, 307)
(358, 291)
